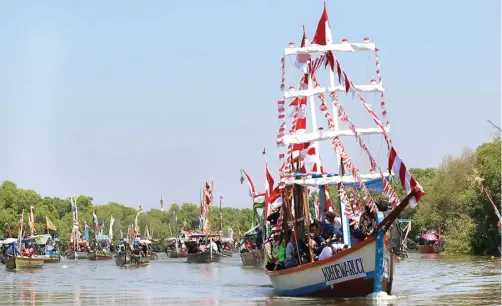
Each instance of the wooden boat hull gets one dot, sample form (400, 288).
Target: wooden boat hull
(203, 257)
(24, 263)
(252, 259)
(99, 255)
(351, 273)
(431, 248)
(123, 261)
(227, 253)
(51, 259)
(177, 254)
(78, 255)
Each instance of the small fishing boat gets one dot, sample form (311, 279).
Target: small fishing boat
(226, 243)
(203, 257)
(126, 258)
(252, 255)
(200, 253)
(148, 243)
(429, 242)
(177, 253)
(54, 257)
(177, 248)
(78, 255)
(253, 258)
(19, 261)
(24, 262)
(100, 254)
(201, 247)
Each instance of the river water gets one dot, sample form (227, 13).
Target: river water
(420, 280)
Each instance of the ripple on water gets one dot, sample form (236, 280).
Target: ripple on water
(418, 281)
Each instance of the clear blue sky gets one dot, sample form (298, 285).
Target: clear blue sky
(127, 100)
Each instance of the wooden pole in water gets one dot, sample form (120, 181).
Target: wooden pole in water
(307, 221)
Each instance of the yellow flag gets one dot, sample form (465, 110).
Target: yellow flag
(50, 226)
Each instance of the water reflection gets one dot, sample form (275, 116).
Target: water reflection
(418, 280)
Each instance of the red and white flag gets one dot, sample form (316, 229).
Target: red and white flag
(323, 33)
(402, 174)
(302, 59)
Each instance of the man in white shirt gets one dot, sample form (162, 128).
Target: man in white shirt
(326, 253)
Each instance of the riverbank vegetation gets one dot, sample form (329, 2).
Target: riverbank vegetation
(453, 201)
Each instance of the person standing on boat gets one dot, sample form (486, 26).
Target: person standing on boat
(291, 252)
(212, 245)
(13, 248)
(259, 238)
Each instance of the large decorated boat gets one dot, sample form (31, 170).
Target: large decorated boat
(362, 262)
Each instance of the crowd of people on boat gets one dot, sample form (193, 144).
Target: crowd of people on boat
(284, 250)
(86, 247)
(216, 245)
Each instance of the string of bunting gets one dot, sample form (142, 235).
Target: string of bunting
(382, 102)
(283, 79)
(343, 116)
(340, 149)
(401, 173)
(282, 119)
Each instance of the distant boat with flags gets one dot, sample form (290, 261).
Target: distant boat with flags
(134, 251)
(24, 259)
(251, 246)
(78, 248)
(357, 259)
(201, 246)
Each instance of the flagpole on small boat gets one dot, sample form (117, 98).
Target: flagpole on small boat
(292, 218)
(307, 221)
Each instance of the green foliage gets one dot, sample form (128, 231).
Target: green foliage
(454, 201)
(160, 223)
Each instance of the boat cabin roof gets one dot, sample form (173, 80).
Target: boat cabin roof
(146, 241)
(7, 241)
